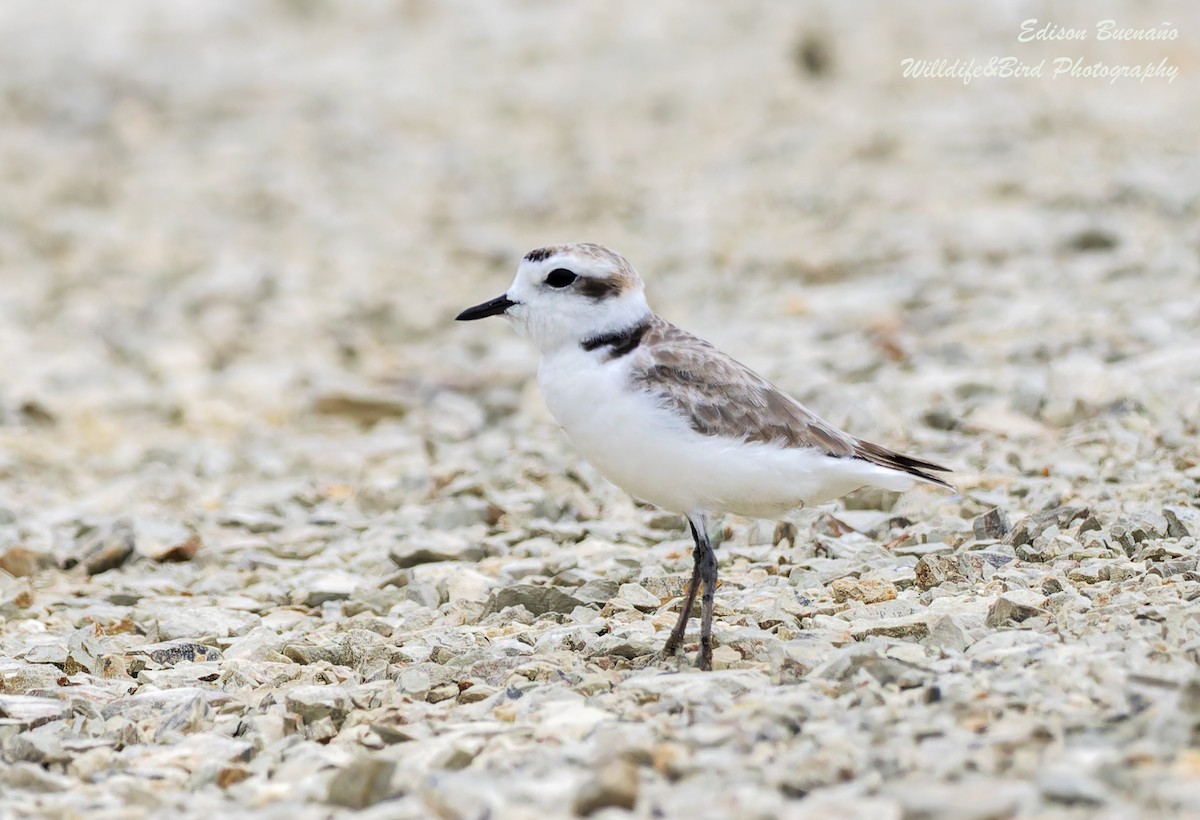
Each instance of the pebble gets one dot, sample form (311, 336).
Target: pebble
(866, 591)
(948, 634)
(313, 703)
(363, 783)
(102, 547)
(435, 547)
(165, 540)
(22, 562)
(29, 711)
(638, 597)
(314, 589)
(992, 524)
(614, 785)
(538, 600)
(910, 626)
(1011, 609)
(975, 798)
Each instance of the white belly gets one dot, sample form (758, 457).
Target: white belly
(654, 455)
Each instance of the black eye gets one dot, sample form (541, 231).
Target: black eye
(560, 278)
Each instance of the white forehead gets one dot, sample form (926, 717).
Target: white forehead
(604, 269)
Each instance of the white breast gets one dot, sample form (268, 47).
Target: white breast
(654, 455)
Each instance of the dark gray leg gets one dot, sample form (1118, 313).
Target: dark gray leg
(676, 639)
(704, 570)
(708, 575)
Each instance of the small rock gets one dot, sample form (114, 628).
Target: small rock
(456, 512)
(599, 591)
(37, 746)
(327, 586)
(1063, 785)
(614, 785)
(251, 520)
(947, 634)
(365, 403)
(907, 626)
(1005, 610)
(934, 570)
(154, 705)
(434, 547)
(183, 551)
(475, 692)
(312, 703)
(416, 681)
(625, 646)
(1131, 531)
(13, 599)
(29, 777)
(1165, 569)
(1091, 240)
(784, 531)
(1181, 521)
(170, 653)
(671, 760)
(202, 622)
(1032, 526)
(166, 541)
(363, 783)
(1044, 550)
(867, 591)
(1089, 572)
(21, 562)
(638, 597)
(442, 692)
(992, 524)
(666, 521)
(920, 550)
(975, 798)
(871, 498)
(231, 775)
(465, 584)
(101, 548)
(846, 662)
(724, 657)
(964, 568)
(29, 676)
(538, 600)
(33, 711)
(46, 653)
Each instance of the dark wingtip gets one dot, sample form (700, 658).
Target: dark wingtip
(919, 468)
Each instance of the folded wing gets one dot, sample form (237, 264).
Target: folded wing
(718, 396)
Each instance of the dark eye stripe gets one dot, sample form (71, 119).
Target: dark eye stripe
(596, 288)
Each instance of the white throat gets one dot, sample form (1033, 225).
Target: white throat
(554, 330)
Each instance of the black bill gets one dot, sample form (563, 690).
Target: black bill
(492, 308)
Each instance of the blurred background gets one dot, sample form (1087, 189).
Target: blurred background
(211, 207)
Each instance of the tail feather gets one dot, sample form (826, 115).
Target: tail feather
(916, 467)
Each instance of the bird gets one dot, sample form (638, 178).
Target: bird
(671, 419)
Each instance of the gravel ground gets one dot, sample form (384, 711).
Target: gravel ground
(279, 539)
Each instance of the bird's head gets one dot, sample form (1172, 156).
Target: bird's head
(567, 294)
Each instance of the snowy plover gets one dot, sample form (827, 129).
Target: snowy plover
(671, 419)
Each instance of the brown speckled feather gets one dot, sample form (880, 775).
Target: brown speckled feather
(721, 397)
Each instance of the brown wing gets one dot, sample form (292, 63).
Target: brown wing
(721, 397)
